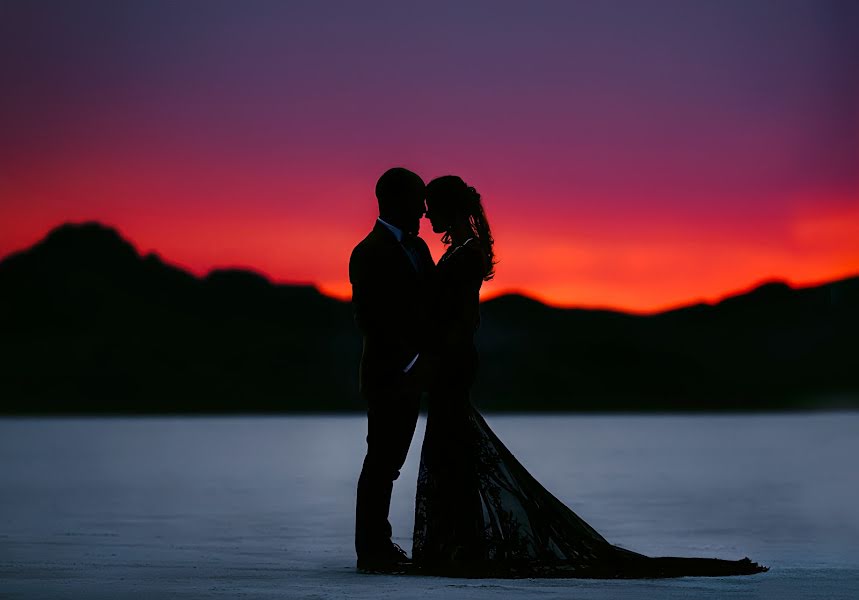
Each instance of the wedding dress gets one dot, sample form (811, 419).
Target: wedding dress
(478, 512)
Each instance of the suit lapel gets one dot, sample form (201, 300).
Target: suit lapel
(386, 237)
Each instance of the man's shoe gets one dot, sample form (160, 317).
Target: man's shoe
(392, 560)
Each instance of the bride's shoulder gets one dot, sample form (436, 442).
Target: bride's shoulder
(466, 259)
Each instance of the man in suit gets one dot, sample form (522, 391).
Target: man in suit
(391, 273)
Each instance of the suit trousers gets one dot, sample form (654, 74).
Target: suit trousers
(392, 415)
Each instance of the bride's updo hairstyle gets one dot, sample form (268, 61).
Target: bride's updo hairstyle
(452, 197)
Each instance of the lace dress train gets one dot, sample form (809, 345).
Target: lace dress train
(479, 513)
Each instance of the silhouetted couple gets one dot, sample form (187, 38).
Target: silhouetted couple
(478, 512)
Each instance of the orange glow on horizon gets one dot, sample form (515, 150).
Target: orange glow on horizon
(640, 275)
(643, 260)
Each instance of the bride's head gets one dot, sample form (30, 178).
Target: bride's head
(455, 210)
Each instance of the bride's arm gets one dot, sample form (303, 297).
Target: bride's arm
(457, 298)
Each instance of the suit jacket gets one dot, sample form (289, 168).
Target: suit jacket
(391, 301)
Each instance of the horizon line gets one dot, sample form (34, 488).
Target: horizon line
(484, 297)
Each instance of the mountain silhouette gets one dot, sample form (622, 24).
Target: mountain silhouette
(91, 326)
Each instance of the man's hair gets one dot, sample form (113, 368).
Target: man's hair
(394, 185)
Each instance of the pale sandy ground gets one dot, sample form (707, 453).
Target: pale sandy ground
(262, 508)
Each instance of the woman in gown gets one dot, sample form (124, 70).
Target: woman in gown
(478, 512)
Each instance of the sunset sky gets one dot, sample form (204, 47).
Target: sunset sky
(635, 155)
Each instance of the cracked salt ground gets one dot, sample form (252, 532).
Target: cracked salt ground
(260, 507)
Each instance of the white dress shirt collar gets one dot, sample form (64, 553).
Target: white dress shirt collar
(398, 233)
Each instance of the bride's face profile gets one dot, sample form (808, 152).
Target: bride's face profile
(447, 208)
(439, 214)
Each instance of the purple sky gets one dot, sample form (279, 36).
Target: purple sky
(632, 154)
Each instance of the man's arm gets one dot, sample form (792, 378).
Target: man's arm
(376, 303)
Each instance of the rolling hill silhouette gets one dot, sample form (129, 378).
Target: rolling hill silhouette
(91, 326)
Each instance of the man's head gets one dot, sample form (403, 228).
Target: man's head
(401, 199)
